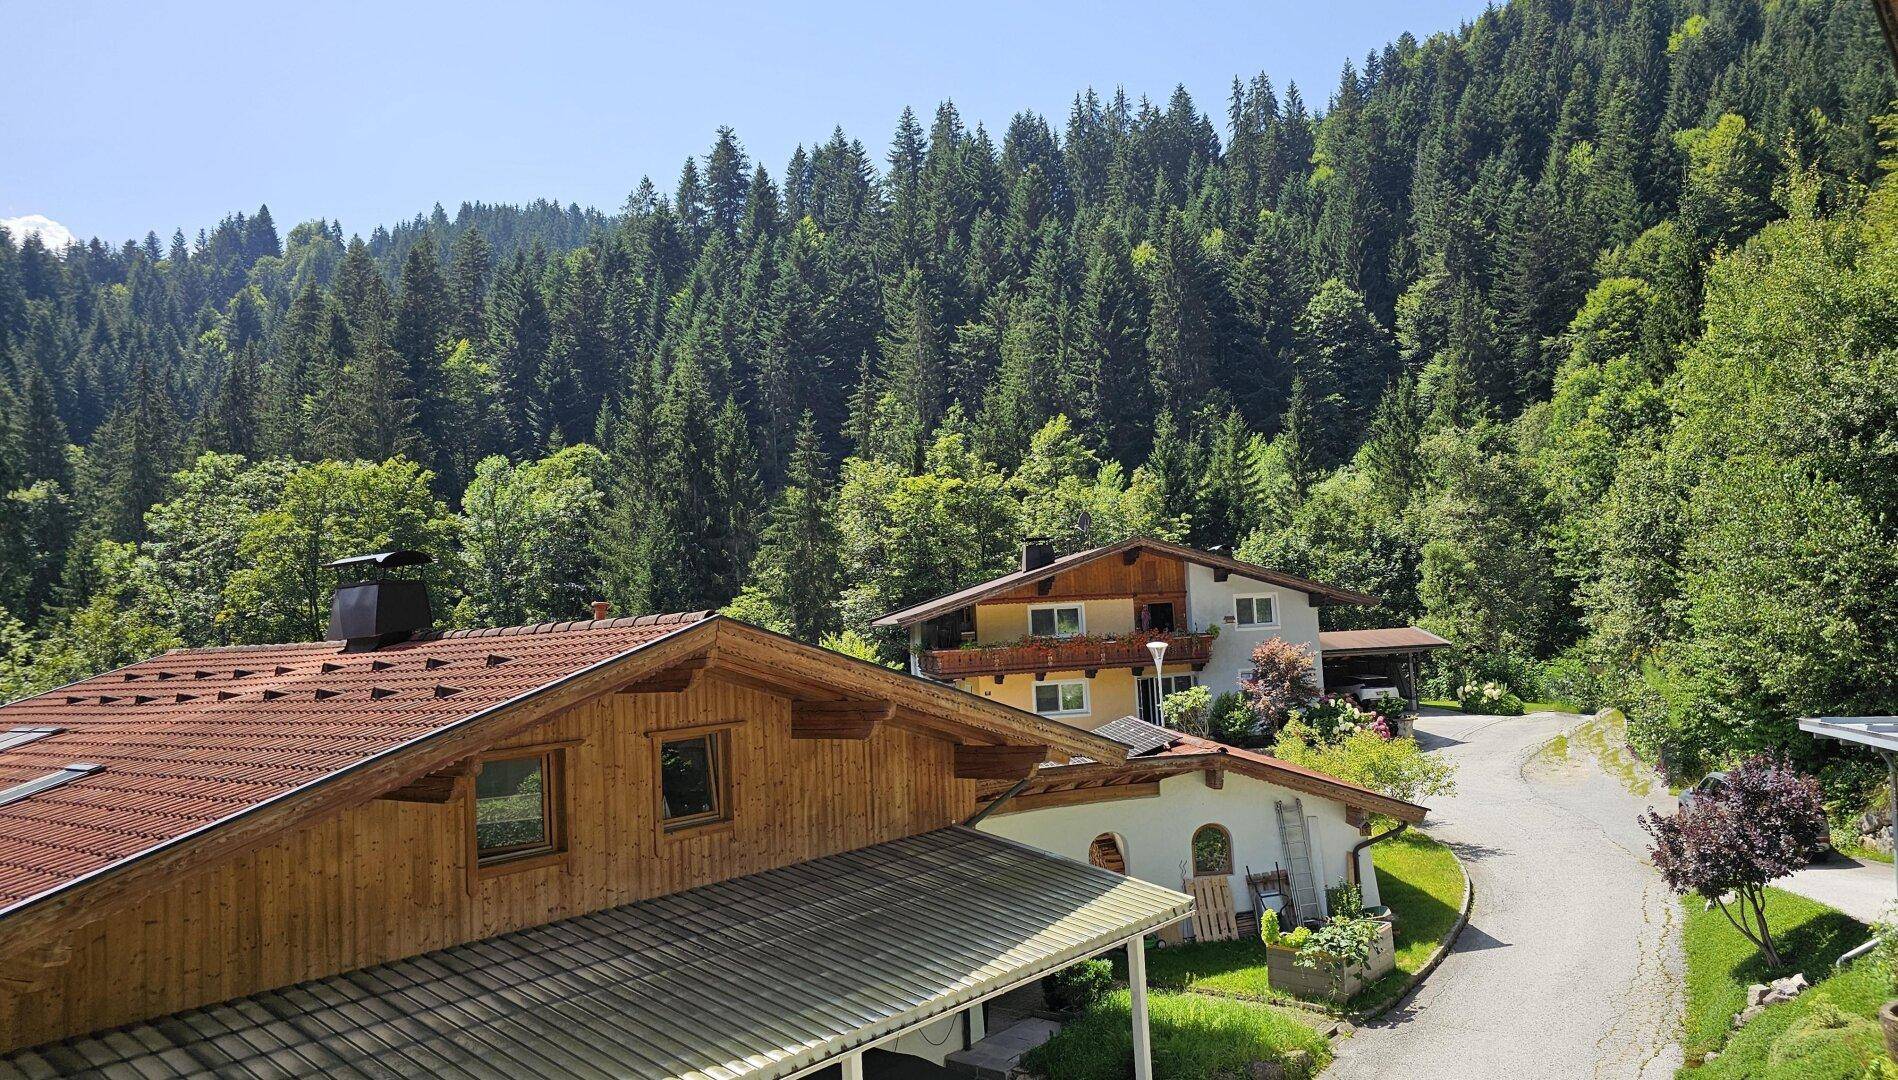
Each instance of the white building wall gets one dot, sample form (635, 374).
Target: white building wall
(1157, 833)
(1211, 604)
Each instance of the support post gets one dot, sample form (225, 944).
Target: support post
(978, 1024)
(1137, 998)
(853, 1066)
(1891, 774)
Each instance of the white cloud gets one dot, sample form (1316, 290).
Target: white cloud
(54, 235)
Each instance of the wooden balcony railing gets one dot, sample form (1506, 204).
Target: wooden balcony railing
(1064, 654)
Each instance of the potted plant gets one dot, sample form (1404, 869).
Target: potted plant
(1885, 929)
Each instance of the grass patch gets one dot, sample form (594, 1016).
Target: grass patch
(1194, 1036)
(1417, 877)
(1421, 882)
(1721, 964)
(1552, 706)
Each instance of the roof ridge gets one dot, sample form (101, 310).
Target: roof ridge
(667, 618)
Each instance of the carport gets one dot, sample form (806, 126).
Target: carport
(1387, 653)
(1880, 733)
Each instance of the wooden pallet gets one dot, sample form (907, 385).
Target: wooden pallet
(1212, 907)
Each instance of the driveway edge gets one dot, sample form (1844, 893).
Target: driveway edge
(1444, 945)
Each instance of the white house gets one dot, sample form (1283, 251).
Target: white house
(1184, 807)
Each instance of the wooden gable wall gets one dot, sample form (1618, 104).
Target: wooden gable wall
(1150, 575)
(387, 880)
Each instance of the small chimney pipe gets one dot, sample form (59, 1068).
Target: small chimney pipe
(1036, 552)
(600, 610)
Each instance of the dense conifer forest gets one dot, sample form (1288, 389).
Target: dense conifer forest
(1570, 333)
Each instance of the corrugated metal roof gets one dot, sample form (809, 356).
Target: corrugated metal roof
(756, 977)
(1877, 732)
(196, 736)
(1383, 639)
(928, 609)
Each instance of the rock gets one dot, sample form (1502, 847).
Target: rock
(1711, 1054)
(1747, 1014)
(1297, 1063)
(1756, 994)
(1266, 1070)
(1789, 987)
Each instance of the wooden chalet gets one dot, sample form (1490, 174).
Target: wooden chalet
(667, 846)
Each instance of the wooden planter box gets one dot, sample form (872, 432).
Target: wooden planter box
(1282, 965)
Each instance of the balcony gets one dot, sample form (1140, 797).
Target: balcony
(1063, 654)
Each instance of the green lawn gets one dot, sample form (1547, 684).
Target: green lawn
(1195, 1037)
(1826, 1032)
(1418, 878)
(1845, 842)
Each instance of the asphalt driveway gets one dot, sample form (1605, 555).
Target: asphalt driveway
(1571, 965)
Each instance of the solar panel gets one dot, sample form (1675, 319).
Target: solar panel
(1139, 737)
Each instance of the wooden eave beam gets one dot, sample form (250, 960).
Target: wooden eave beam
(998, 762)
(437, 787)
(838, 719)
(1077, 797)
(676, 679)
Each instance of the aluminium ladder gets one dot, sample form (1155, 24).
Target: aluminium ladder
(1295, 836)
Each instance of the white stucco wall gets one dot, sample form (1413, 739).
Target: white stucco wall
(1211, 604)
(1157, 833)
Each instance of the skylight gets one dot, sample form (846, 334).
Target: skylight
(20, 736)
(51, 780)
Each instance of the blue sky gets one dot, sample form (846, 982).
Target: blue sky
(124, 117)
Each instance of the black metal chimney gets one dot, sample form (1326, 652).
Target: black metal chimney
(1036, 552)
(379, 610)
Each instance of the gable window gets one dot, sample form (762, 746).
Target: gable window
(1212, 850)
(517, 809)
(1061, 698)
(1056, 620)
(1258, 611)
(692, 780)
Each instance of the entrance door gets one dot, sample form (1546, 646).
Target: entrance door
(1106, 853)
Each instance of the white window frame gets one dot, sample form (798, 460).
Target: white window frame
(1080, 619)
(1086, 701)
(1270, 597)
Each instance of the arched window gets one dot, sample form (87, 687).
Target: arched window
(1212, 850)
(1108, 853)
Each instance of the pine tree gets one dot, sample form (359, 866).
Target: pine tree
(468, 285)
(518, 337)
(793, 582)
(420, 334)
(582, 356)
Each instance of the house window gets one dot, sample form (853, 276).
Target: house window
(1256, 611)
(517, 807)
(691, 780)
(1056, 620)
(1212, 850)
(1061, 698)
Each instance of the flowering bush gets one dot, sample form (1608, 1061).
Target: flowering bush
(1281, 681)
(1489, 698)
(1185, 710)
(1333, 717)
(1763, 824)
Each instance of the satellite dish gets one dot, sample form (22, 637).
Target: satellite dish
(1086, 522)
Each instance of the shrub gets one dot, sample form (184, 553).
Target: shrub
(1574, 678)
(1345, 898)
(1395, 767)
(1269, 927)
(1298, 938)
(1280, 681)
(1762, 825)
(1488, 698)
(1078, 987)
(1186, 710)
(1334, 717)
(1231, 720)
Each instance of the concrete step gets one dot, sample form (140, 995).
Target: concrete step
(994, 1057)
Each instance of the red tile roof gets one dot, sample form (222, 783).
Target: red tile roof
(194, 737)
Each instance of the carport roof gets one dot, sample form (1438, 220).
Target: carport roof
(760, 976)
(1877, 732)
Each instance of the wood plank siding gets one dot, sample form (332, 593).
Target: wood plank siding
(1150, 577)
(385, 879)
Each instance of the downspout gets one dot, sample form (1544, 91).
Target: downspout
(1352, 864)
(976, 818)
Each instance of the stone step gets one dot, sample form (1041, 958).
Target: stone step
(996, 1056)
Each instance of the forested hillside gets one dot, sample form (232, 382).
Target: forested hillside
(1570, 334)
